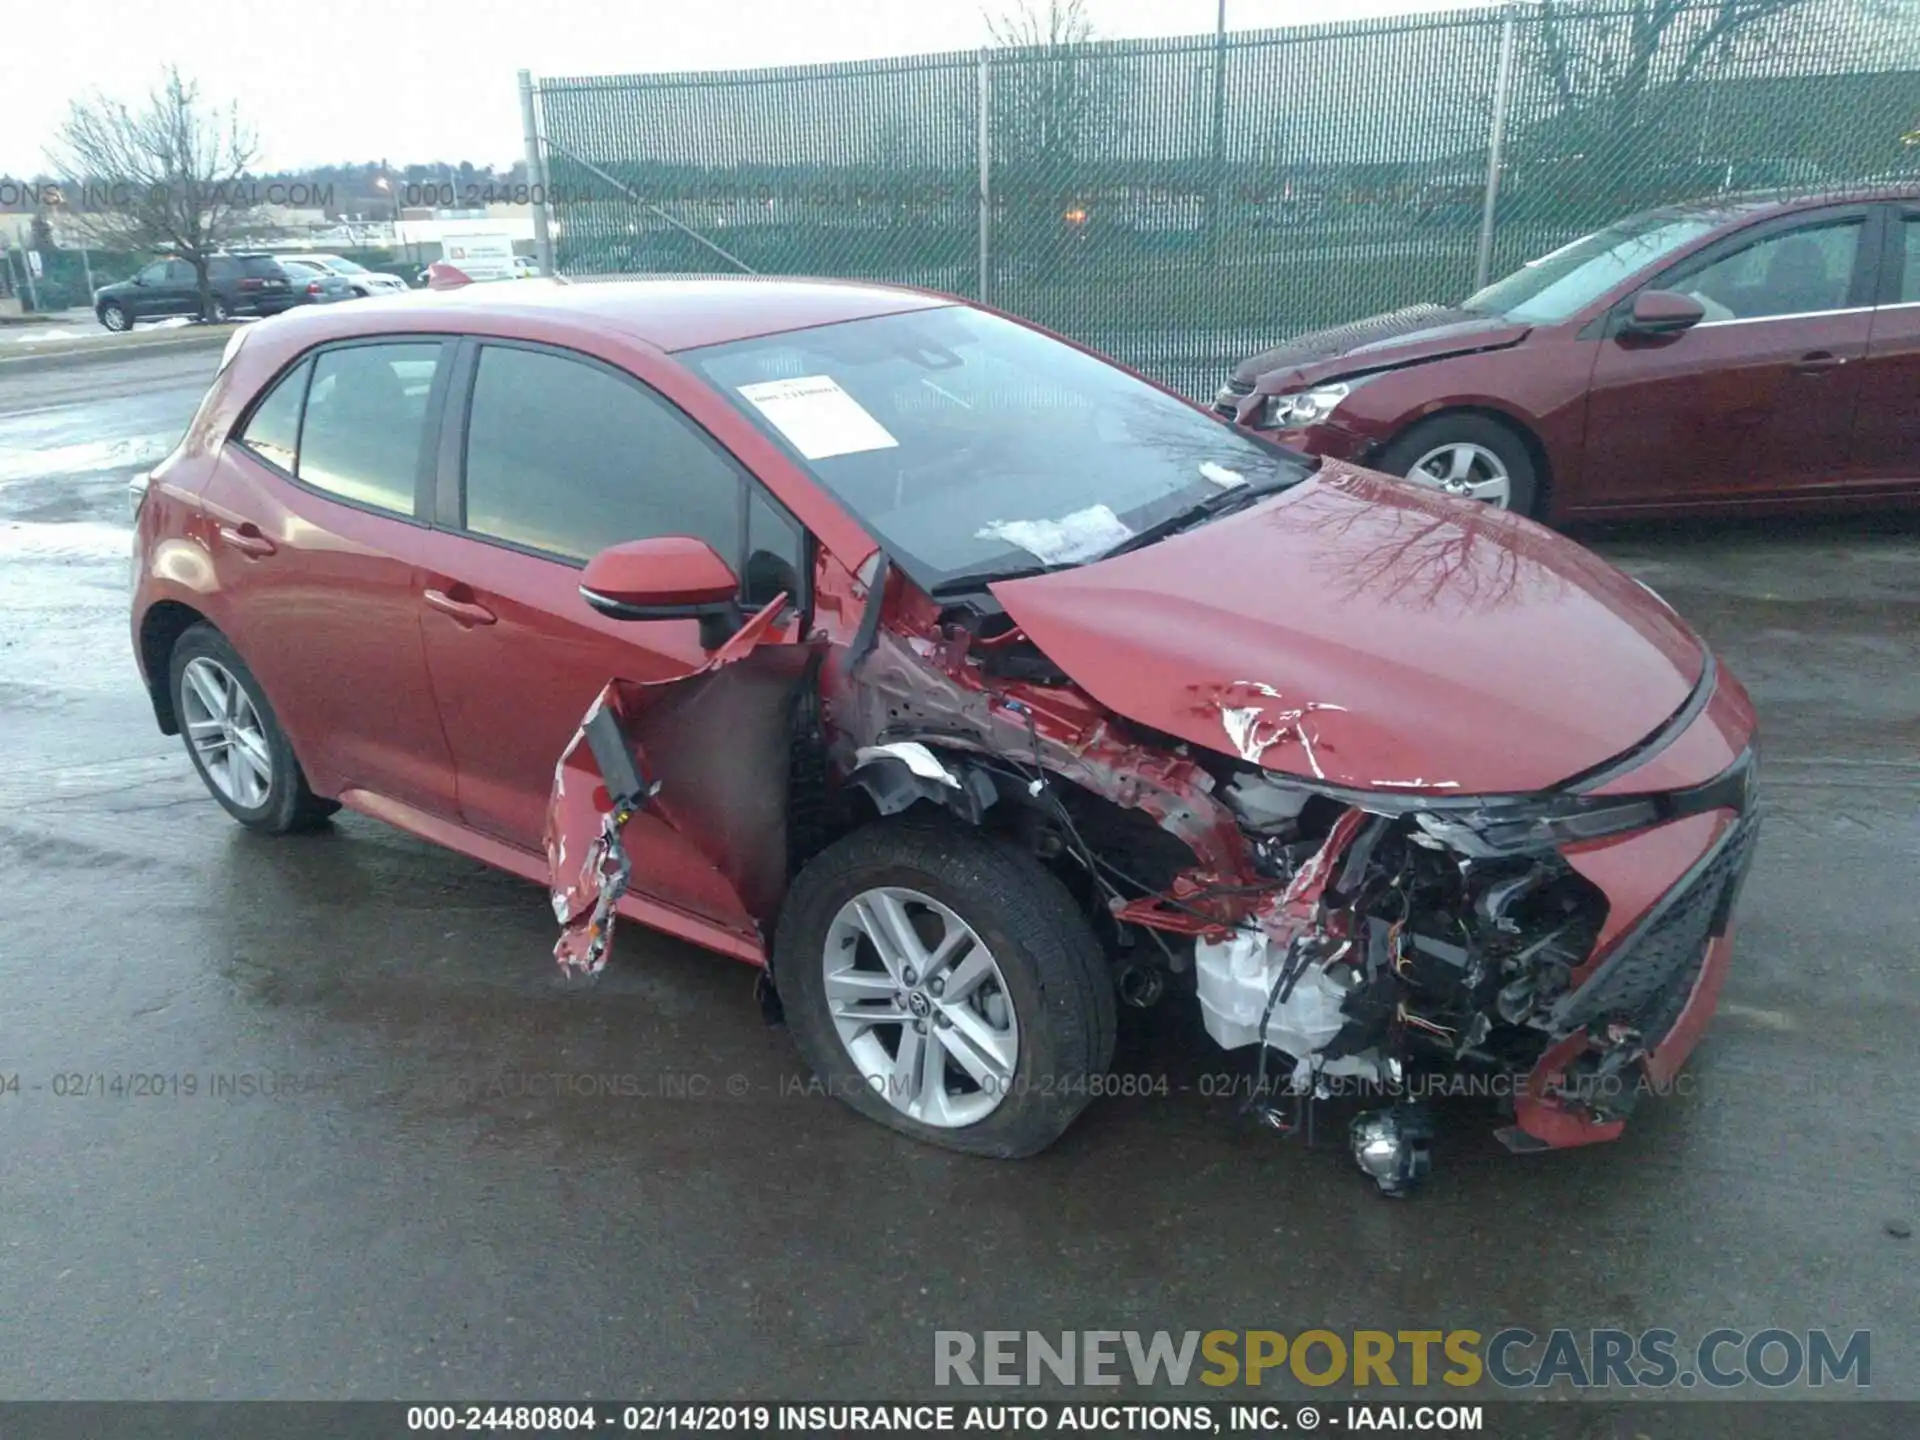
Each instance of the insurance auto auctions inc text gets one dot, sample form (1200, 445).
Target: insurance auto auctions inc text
(1513, 1358)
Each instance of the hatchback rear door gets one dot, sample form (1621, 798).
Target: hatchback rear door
(1755, 402)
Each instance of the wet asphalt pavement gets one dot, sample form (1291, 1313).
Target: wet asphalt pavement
(398, 1217)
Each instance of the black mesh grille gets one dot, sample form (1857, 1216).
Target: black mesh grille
(1647, 985)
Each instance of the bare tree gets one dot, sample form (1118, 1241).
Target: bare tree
(1048, 109)
(163, 177)
(1606, 65)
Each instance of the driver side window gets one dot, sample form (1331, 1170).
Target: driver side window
(567, 457)
(1806, 270)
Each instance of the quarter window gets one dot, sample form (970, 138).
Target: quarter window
(1908, 292)
(1794, 272)
(569, 458)
(274, 431)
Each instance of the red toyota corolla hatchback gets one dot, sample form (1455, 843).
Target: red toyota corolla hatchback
(1726, 356)
(972, 685)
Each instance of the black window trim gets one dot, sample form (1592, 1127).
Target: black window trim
(1862, 285)
(1900, 230)
(424, 462)
(450, 484)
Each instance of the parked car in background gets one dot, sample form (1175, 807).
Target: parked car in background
(358, 281)
(242, 283)
(766, 612)
(1729, 354)
(321, 287)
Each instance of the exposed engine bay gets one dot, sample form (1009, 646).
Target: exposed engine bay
(1343, 934)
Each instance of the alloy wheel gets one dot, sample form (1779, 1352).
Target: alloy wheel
(113, 317)
(225, 732)
(921, 1006)
(1469, 471)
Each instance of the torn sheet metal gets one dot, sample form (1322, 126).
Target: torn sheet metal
(589, 842)
(588, 884)
(1066, 541)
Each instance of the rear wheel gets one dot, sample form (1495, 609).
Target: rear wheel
(217, 311)
(235, 740)
(947, 986)
(1472, 457)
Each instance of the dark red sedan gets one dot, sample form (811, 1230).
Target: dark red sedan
(1737, 355)
(969, 684)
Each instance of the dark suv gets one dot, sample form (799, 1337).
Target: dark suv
(242, 284)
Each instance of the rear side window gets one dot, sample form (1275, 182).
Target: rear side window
(568, 458)
(260, 266)
(274, 431)
(366, 421)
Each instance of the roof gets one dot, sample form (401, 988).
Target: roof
(671, 312)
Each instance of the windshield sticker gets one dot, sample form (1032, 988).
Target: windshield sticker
(1066, 541)
(818, 417)
(1220, 475)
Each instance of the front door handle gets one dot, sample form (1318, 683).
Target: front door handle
(247, 539)
(467, 612)
(1818, 362)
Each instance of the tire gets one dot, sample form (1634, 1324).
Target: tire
(217, 312)
(271, 796)
(1461, 432)
(1048, 970)
(115, 317)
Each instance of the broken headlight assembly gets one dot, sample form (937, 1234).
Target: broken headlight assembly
(1300, 408)
(1529, 826)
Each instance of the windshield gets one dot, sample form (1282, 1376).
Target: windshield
(972, 446)
(1558, 286)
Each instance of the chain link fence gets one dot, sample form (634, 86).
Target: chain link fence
(1183, 203)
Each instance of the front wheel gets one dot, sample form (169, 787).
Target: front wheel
(235, 740)
(1468, 456)
(947, 986)
(115, 316)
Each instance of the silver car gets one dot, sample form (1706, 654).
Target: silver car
(357, 281)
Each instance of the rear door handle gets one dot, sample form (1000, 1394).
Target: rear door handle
(467, 612)
(247, 539)
(1816, 362)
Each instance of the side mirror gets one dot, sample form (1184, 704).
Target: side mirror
(1663, 312)
(668, 577)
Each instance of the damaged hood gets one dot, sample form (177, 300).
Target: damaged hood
(1419, 332)
(1372, 634)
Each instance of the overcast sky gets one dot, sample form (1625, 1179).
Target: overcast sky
(433, 80)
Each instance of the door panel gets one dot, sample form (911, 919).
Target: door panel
(563, 456)
(512, 692)
(329, 622)
(1886, 432)
(1756, 401)
(1725, 411)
